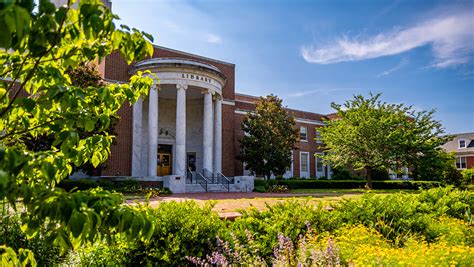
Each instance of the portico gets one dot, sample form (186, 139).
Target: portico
(178, 126)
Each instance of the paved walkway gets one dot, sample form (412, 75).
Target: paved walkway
(225, 195)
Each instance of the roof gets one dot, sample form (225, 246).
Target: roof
(193, 55)
(453, 145)
(248, 102)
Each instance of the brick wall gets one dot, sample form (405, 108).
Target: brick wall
(242, 104)
(470, 162)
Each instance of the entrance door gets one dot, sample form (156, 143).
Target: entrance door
(164, 164)
(165, 160)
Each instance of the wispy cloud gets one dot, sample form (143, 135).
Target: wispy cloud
(402, 63)
(451, 37)
(213, 38)
(325, 91)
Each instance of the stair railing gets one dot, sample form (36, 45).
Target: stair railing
(200, 179)
(223, 180)
(208, 174)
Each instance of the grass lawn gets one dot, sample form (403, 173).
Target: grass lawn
(326, 197)
(233, 205)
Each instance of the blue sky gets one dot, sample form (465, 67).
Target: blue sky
(312, 53)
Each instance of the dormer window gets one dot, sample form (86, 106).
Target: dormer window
(462, 143)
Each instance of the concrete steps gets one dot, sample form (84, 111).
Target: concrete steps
(197, 188)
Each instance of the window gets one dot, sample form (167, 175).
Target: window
(303, 133)
(461, 163)
(319, 162)
(318, 137)
(304, 162)
(462, 143)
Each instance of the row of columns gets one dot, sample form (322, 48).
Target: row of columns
(212, 132)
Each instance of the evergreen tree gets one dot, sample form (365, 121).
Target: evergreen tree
(270, 135)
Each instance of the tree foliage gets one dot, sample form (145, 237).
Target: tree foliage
(370, 134)
(84, 75)
(270, 135)
(37, 97)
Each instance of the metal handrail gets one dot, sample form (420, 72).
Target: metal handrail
(200, 179)
(208, 174)
(223, 180)
(189, 177)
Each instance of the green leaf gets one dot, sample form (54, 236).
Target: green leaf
(76, 223)
(95, 160)
(48, 170)
(29, 103)
(5, 35)
(90, 125)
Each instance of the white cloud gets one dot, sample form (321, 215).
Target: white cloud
(402, 63)
(213, 38)
(451, 38)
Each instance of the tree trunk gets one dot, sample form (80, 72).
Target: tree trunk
(368, 170)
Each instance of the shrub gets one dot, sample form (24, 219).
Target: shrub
(468, 174)
(289, 218)
(12, 236)
(181, 229)
(453, 177)
(278, 189)
(398, 216)
(362, 246)
(128, 186)
(380, 175)
(341, 173)
(394, 216)
(260, 189)
(347, 184)
(448, 201)
(81, 184)
(286, 253)
(261, 183)
(468, 177)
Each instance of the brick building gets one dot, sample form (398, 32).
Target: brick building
(191, 121)
(463, 147)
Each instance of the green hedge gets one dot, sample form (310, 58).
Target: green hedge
(347, 184)
(124, 186)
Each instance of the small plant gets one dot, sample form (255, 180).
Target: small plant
(285, 253)
(235, 254)
(278, 189)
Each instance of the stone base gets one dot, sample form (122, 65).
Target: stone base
(176, 183)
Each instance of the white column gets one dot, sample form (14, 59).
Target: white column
(137, 139)
(207, 133)
(218, 135)
(152, 131)
(180, 150)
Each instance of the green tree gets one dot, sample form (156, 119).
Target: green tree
(436, 166)
(373, 135)
(84, 75)
(37, 97)
(270, 135)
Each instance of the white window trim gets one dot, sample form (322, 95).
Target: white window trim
(459, 143)
(460, 163)
(291, 171)
(304, 140)
(308, 162)
(316, 159)
(318, 140)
